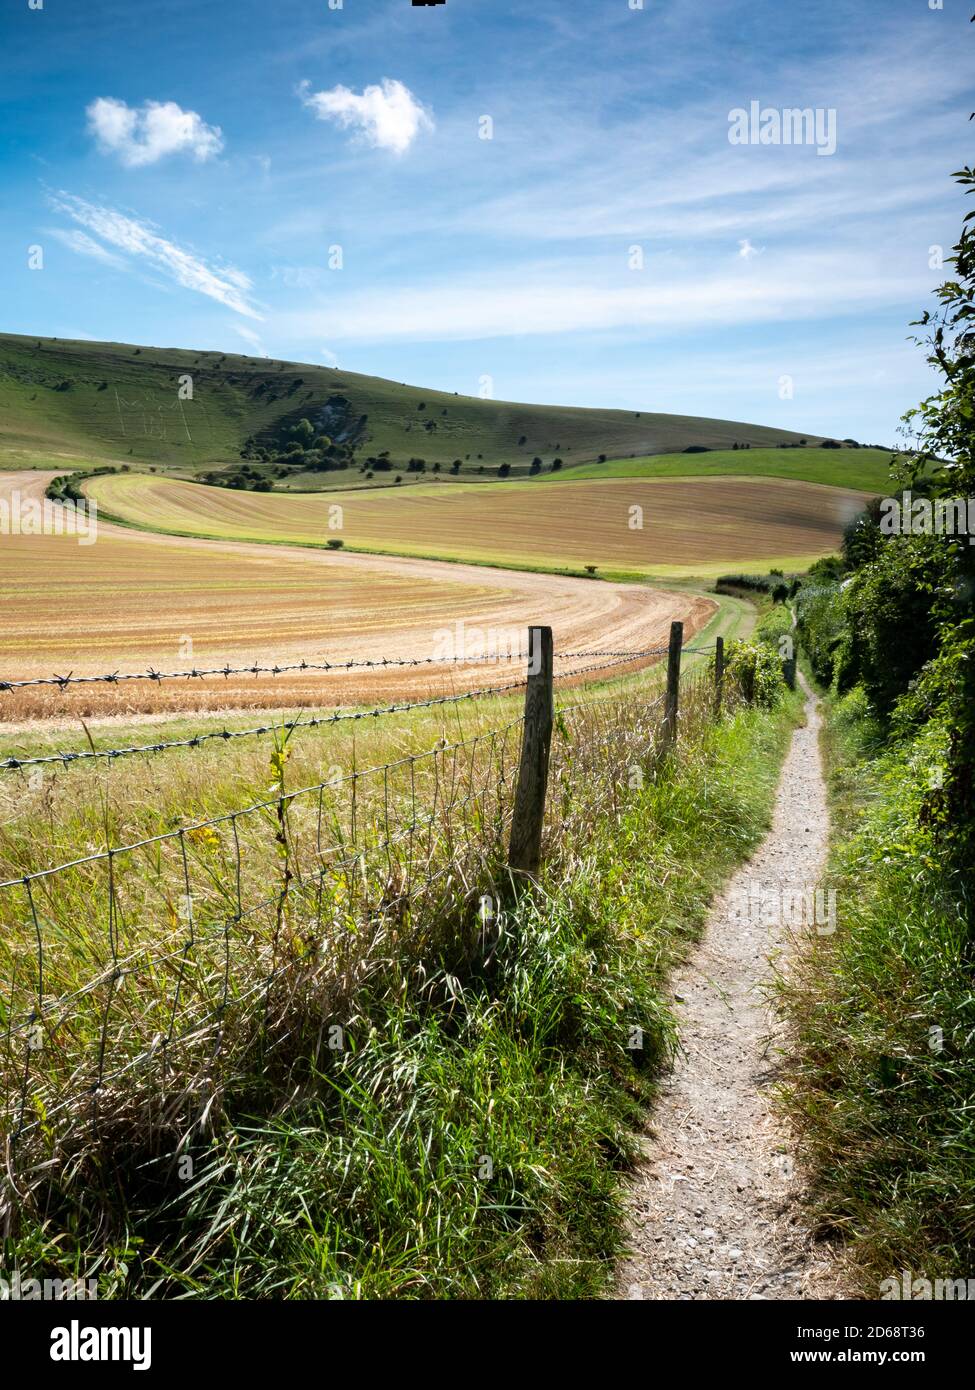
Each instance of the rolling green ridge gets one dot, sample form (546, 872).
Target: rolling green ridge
(118, 402)
(861, 468)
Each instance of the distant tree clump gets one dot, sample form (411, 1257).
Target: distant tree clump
(536, 466)
(556, 465)
(504, 470)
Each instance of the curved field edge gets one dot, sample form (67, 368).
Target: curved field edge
(472, 1142)
(142, 513)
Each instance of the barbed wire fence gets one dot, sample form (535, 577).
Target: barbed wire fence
(140, 980)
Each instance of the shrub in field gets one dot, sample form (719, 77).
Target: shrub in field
(756, 671)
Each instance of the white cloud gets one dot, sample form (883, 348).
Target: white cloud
(746, 250)
(329, 357)
(143, 135)
(83, 245)
(388, 116)
(226, 285)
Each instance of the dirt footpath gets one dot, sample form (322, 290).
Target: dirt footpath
(715, 1209)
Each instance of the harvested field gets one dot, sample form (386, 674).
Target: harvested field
(131, 601)
(689, 526)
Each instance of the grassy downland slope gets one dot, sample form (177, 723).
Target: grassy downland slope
(864, 469)
(119, 402)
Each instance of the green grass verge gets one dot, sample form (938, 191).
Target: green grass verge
(882, 1087)
(469, 1138)
(863, 469)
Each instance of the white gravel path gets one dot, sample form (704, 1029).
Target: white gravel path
(716, 1209)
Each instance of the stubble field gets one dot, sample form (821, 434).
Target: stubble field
(667, 528)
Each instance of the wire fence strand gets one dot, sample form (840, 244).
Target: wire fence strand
(151, 973)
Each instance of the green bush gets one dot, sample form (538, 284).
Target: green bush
(774, 626)
(756, 671)
(892, 618)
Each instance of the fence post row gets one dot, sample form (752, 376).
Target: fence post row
(525, 846)
(718, 675)
(669, 730)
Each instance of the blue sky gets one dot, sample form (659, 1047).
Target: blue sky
(186, 168)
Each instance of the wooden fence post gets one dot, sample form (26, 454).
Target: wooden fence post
(525, 846)
(669, 731)
(718, 675)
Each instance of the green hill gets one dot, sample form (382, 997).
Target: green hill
(114, 402)
(863, 468)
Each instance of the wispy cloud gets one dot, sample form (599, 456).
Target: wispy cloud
(139, 240)
(143, 135)
(559, 297)
(249, 336)
(84, 245)
(387, 116)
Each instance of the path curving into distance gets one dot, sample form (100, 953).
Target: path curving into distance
(716, 1207)
(135, 599)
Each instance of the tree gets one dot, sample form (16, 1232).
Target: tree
(556, 465)
(944, 453)
(536, 466)
(504, 470)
